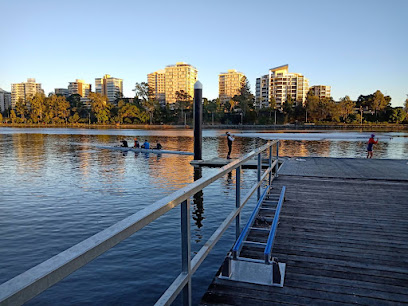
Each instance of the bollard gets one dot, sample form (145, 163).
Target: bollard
(198, 120)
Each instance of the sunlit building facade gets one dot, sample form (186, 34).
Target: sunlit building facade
(24, 91)
(5, 100)
(157, 85)
(229, 84)
(322, 91)
(79, 87)
(179, 77)
(281, 84)
(109, 86)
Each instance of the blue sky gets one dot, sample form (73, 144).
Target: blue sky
(355, 46)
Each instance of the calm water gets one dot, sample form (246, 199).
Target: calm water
(59, 188)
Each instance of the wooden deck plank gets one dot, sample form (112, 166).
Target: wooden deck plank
(343, 234)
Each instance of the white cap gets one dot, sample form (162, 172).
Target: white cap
(198, 85)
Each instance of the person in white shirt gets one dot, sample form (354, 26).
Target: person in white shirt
(230, 139)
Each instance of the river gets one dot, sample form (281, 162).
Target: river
(59, 187)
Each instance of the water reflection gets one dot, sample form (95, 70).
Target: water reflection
(198, 207)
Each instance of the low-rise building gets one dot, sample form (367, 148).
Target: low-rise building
(322, 91)
(62, 92)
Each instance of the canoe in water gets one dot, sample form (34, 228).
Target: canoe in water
(140, 150)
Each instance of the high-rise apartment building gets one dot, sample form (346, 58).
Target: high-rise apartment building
(322, 91)
(262, 91)
(281, 83)
(157, 85)
(179, 77)
(24, 91)
(109, 86)
(62, 92)
(230, 84)
(79, 87)
(5, 100)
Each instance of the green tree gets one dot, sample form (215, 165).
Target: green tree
(312, 106)
(100, 107)
(21, 109)
(406, 105)
(378, 102)
(288, 108)
(245, 100)
(346, 107)
(183, 102)
(37, 107)
(13, 116)
(398, 115)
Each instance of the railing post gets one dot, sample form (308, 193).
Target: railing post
(277, 159)
(186, 249)
(259, 174)
(238, 202)
(270, 165)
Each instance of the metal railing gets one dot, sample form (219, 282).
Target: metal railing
(29, 284)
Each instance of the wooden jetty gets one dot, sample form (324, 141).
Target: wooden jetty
(343, 235)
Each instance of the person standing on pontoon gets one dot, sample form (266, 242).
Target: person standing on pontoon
(230, 139)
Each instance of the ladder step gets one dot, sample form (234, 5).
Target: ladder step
(259, 229)
(272, 209)
(255, 243)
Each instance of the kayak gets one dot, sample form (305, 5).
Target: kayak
(140, 150)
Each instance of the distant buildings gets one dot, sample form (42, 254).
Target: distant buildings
(229, 84)
(280, 83)
(322, 91)
(62, 92)
(109, 86)
(24, 91)
(157, 85)
(79, 87)
(179, 77)
(5, 100)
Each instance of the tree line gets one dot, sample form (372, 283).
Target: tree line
(241, 109)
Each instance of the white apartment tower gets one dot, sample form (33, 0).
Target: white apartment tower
(24, 91)
(109, 86)
(230, 84)
(281, 83)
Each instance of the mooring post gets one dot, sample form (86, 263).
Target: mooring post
(198, 120)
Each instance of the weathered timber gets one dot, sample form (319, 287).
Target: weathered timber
(343, 234)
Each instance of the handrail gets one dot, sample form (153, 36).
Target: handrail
(27, 285)
(241, 238)
(272, 233)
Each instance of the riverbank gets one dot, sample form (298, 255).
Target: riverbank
(371, 127)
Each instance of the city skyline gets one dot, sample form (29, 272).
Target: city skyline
(356, 48)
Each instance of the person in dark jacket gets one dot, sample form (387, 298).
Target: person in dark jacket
(230, 139)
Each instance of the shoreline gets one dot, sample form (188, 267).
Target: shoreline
(218, 126)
